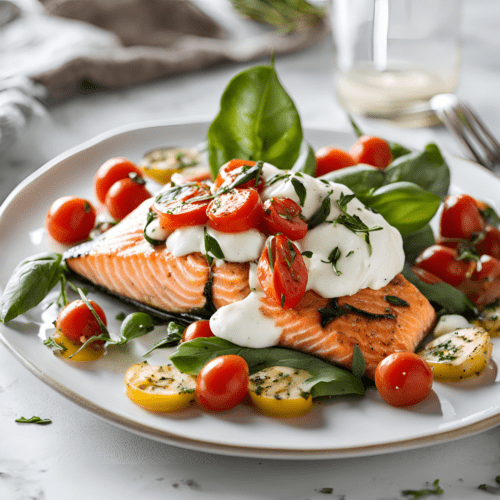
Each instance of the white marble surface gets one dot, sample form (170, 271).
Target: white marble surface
(80, 456)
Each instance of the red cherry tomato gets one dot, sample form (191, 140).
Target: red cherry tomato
(461, 217)
(110, 172)
(490, 244)
(283, 215)
(126, 195)
(403, 379)
(196, 330)
(175, 210)
(222, 383)
(77, 322)
(329, 159)
(230, 171)
(235, 211)
(283, 274)
(442, 262)
(372, 151)
(70, 220)
(483, 287)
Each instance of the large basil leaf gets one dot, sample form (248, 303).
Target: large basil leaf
(415, 243)
(358, 178)
(451, 300)
(427, 169)
(404, 205)
(327, 380)
(29, 284)
(257, 121)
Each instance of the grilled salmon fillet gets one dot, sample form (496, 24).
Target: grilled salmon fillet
(124, 263)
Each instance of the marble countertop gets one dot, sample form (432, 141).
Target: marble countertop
(80, 456)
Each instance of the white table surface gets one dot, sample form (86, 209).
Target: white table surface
(80, 456)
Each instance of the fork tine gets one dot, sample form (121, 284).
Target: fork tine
(494, 147)
(453, 122)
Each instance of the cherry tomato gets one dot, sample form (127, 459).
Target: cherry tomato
(283, 215)
(175, 210)
(461, 217)
(196, 330)
(487, 268)
(426, 276)
(442, 262)
(77, 322)
(329, 159)
(231, 170)
(110, 172)
(490, 244)
(70, 220)
(126, 195)
(372, 151)
(235, 211)
(282, 273)
(222, 383)
(403, 379)
(483, 287)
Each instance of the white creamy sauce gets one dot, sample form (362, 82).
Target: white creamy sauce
(449, 323)
(359, 265)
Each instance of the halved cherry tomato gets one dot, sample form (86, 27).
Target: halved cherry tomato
(231, 170)
(110, 172)
(77, 322)
(442, 262)
(282, 272)
(196, 330)
(235, 211)
(175, 210)
(222, 383)
(372, 151)
(74, 351)
(126, 195)
(283, 215)
(70, 220)
(461, 217)
(490, 243)
(483, 286)
(329, 159)
(403, 379)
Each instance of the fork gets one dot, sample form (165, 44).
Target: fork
(475, 138)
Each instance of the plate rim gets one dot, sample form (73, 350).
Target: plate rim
(164, 436)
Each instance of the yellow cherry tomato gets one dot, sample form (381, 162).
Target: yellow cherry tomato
(278, 391)
(91, 352)
(159, 388)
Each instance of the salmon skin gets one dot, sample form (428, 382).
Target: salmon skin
(122, 262)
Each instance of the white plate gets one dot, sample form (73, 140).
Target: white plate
(337, 428)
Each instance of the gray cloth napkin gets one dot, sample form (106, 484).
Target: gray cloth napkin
(54, 49)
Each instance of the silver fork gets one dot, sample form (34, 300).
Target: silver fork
(477, 141)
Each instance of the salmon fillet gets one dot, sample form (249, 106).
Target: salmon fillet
(124, 263)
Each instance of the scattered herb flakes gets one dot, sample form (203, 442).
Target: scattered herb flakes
(50, 342)
(33, 420)
(425, 492)
(326, 491)
(396, 301)
(120, 316)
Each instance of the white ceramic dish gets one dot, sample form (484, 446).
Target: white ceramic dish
(340, 428)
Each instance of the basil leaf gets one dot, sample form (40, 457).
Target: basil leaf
(257, 121)
(212, 248)
(358, 178)
(398, 150)
(327, 380)
(135, 325)
(306, 162)
(174, 336)
(453, 301)
(358, 362)
(396, 301)
(150, 218)
(427, 169)
(300, 190)
(322, 213)
(404, 205)
(416, 242)
(29, 284)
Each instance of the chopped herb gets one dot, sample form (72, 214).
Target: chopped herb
(50, 342)
(307, 254)
(270, 255)
(326, 491)
(120, 316)
(425, 492)
(212, 248)
(333, 258)
(367, 314)
(300, 190)
(33, 420)
(350, 253)
(173, 338)
(322, 213)
(396, 301)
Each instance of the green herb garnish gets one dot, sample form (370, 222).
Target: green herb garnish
(33, 420)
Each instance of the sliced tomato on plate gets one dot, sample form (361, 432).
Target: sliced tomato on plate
(182, 205)
(235, 211)
(283, 215)
(282, 272)
(231, 170)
